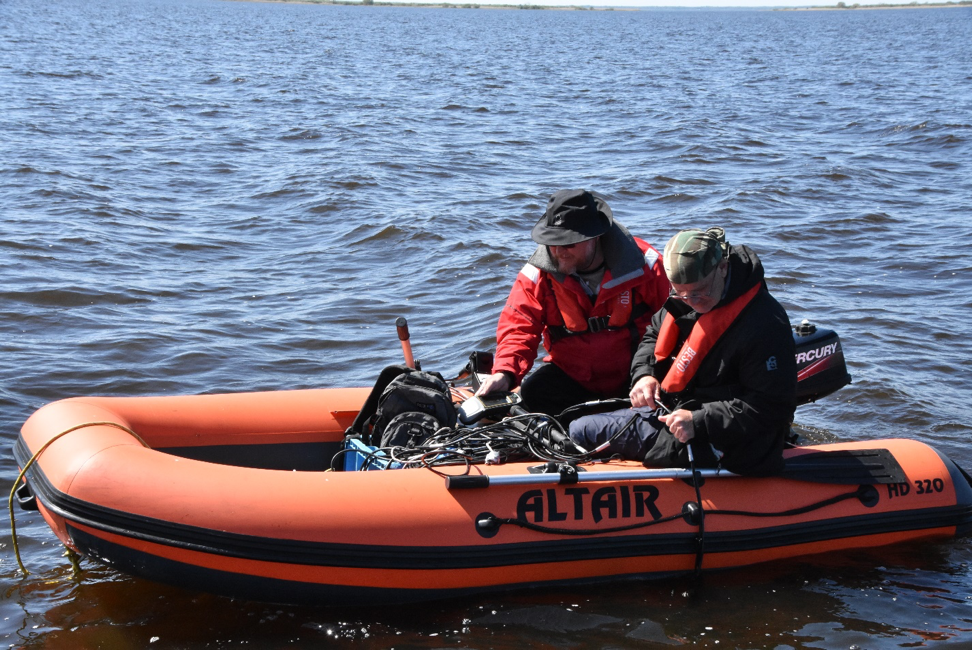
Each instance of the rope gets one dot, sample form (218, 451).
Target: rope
(860, 492)
(522, 523)
(700, 552)
(23, 472)
(739, 513)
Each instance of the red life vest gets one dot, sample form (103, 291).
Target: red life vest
(618, 313)
(706, 332)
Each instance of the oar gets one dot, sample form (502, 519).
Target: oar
(844, 467)
(567, 478)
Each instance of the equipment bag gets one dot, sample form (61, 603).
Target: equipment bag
(405, 407)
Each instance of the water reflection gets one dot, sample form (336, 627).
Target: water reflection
(889, 597)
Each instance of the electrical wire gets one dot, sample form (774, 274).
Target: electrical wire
(531, 436)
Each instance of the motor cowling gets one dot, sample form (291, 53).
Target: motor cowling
(821, 368)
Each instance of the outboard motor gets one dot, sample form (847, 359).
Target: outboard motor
(821, 369)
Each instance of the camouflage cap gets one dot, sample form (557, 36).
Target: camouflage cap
(691, 255)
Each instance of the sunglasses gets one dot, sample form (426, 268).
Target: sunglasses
(694, 295)
(565, 246)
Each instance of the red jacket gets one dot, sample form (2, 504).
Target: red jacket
(544, 303)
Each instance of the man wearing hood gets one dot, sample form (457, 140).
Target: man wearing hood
(720, 356)
(588, 292)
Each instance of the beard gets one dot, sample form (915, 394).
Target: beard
(567, 268)
(573, 265)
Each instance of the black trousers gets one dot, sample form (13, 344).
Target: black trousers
(550, 390)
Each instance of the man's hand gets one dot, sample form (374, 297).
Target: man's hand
(680, 424)
(496, 382)
(646, 392)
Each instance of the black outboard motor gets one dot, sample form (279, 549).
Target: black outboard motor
(821, 369)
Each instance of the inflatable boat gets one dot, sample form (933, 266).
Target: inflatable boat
(231, 494)
(284, 497)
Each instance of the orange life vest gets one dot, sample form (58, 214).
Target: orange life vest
(618, 313)
(706, 332)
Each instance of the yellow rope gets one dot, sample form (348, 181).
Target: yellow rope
(23, 472)
(75, 561)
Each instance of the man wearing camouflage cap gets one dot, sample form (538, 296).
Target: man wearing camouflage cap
(720, 355)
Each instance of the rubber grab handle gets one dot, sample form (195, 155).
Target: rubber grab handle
(467, 482)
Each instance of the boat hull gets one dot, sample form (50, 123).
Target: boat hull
(231, 495)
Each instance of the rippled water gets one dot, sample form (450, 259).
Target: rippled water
(211, 196)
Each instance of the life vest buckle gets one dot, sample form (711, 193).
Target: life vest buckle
(596, 324)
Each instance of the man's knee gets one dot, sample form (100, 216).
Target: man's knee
(550, 390)
(635, 431)
(536, 396)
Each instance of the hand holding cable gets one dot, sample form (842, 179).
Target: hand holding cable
(645, 392)
(680, 424)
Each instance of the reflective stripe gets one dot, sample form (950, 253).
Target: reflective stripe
(613, 282)
(531, 272)
(651, 256)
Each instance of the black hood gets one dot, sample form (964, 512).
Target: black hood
(621, 254)
(745, 271)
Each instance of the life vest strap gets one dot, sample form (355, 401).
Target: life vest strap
(596, 324)
(705, 333)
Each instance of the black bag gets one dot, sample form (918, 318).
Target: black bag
(405, 407)
(408, 429)
(404, 400)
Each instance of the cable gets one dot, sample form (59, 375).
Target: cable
(700, 552)
(522, 437)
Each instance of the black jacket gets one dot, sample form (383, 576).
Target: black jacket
(743, 395)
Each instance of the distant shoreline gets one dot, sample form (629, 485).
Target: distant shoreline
(840, 6)
(443, 5)
(843, 6)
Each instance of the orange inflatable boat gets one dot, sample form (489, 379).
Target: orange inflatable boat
(231, 494)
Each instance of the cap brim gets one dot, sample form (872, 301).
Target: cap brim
(547, 236)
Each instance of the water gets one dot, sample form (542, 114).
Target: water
(215, 196)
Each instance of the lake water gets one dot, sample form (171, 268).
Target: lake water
(201, 196)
